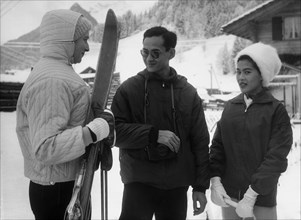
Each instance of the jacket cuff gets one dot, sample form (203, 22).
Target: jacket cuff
(199, 189)
(93, 135)
(153, 135)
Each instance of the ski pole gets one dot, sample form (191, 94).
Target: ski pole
(104, 194)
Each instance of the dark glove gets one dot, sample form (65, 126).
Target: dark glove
(105, 158)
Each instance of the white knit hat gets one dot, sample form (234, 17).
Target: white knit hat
(266, 58)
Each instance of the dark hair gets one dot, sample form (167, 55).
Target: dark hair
(246, 57)
(170, 38)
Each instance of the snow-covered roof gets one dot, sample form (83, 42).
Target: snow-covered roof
(243, 25)
(248, 12)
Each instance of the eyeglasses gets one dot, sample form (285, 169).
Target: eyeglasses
(155, 54)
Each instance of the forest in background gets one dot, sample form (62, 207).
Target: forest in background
(190, 19)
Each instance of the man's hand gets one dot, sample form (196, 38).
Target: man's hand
(169, 139)
(218, 193)
(198, 197)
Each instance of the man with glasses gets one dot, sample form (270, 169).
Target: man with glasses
(162, 136)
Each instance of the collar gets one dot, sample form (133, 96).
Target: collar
(263, 97)
(156, 76)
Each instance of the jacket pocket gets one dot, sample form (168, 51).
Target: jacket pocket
(156, 152)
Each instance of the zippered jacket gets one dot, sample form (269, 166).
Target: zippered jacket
(142, 105)
(250, 147)
(51, 108)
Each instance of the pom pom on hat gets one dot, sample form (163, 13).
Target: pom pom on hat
(82, 26)
(266, 58)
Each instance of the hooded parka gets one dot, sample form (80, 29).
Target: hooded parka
(142, 105)
(52, 105)
(250, 147)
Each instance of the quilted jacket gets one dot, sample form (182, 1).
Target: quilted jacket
(51, 109)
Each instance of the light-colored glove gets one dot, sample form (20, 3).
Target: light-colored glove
(100, 128)
(245, 206)
(218, 193)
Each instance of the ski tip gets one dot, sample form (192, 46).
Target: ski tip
(111, 12)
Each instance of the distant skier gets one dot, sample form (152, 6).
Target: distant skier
(51, 111)
(252, 140)
(162, 136)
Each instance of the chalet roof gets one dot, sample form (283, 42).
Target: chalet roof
(88, 70)
(290, 78)
(243, 25)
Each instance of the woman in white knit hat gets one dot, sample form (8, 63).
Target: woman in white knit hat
(252, 140)
(51, 111)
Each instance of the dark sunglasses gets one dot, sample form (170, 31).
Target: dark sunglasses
(155, 54)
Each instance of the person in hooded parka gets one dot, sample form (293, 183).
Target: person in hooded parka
(51, 111)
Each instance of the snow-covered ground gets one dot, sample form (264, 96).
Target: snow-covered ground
(14, 186)
(195, 64)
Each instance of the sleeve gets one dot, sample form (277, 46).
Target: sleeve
(49, 107)
(130, 135)
(200, 146)
(217, 153)
(275, 160)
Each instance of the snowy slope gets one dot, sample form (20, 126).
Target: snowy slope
(195, 64)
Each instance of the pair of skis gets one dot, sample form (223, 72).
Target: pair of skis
(79, 207)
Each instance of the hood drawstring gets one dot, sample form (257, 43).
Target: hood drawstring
(146, 103)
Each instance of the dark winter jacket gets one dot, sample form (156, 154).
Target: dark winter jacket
(250, 147)
(137, 128)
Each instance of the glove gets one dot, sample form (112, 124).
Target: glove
(218, 192)
(245, 206)
(99, 129)
(109, 117)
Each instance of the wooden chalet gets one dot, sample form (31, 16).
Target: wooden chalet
(278, 23)
(88, 75)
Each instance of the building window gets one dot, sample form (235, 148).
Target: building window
(292, 28)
